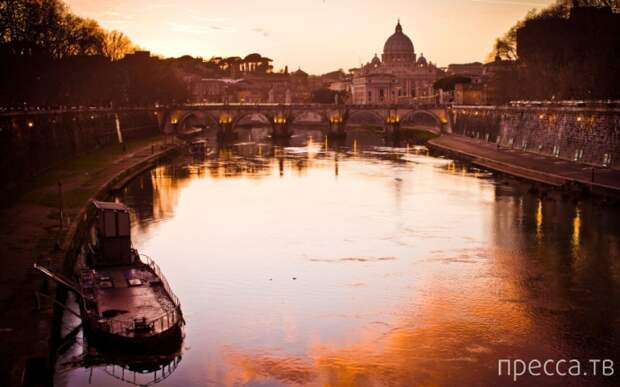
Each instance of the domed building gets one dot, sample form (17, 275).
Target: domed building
(398, 77)
(398, 48)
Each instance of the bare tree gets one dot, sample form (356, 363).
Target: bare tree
(116, 45)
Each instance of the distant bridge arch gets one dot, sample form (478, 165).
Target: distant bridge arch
(359, 117)
(300, 117)
(423, 118)
(190, 119)
(263, 118)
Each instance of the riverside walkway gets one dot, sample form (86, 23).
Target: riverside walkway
(30, 232)
(530, 166)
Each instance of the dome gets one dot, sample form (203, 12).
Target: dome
(398, 48)
(398, 43)
(422, 60)
(375, 61)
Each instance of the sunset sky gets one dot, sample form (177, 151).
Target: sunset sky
(316, 35)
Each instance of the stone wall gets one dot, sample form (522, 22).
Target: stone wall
(590, 135)
(31, 142)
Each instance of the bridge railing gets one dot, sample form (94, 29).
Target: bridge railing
(35, 110)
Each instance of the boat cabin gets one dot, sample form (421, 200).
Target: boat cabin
(110, 235)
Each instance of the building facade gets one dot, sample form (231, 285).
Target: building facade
(400, 76)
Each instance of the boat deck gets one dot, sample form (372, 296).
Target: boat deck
(125, 294)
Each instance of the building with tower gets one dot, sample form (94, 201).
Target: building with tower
(400, 76)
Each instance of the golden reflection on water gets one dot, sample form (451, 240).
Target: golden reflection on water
(575, 238)
(427, 344)
(405, 270)
(539, 221)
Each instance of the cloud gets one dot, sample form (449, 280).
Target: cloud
(196, 29)
(115, 24)
(115, 19)
(210, 19)
(117, 15)
(188, 28)
(161, 5)
(261, 31)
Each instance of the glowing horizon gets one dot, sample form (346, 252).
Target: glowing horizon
(315, 35)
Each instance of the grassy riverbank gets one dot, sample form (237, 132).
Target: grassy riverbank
(43, 188)
(30, 232)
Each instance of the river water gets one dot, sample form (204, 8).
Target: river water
(367, 265)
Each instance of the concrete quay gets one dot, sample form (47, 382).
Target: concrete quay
(531, 166)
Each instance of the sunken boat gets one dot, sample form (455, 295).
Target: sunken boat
(125, 298)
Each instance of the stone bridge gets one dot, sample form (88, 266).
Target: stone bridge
(333, 120)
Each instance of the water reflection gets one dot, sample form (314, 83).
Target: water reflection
(356, 264)
(140, 374)
(576, 232)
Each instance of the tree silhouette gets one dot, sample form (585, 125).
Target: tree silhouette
(116, 45)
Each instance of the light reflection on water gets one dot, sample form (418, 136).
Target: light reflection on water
(369, 266)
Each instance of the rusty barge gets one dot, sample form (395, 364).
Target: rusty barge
(125, 297)
(125, 301)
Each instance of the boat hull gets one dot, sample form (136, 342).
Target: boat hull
(167, 341)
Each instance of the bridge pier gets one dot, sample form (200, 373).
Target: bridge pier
(280, 124)
(225, 130)
(337, 125)
(337, 129)
(391, 127)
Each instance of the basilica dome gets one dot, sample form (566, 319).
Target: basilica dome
(398, 48)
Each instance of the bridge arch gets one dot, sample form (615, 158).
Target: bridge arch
(195, 119)
(423, 118)
(263, 118)
(360, 117)
(301, 118)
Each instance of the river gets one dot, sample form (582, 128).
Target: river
(368, 265)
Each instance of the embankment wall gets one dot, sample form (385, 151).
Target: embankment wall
(582, 134)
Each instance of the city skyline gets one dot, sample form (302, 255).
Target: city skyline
(200, 28)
